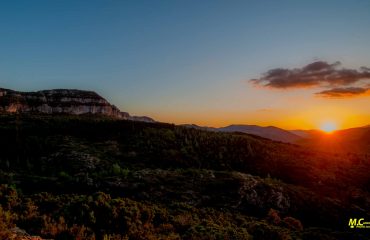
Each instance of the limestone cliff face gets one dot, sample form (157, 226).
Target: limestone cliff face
(65, 101)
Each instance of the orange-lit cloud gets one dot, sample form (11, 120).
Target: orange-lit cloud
(343, 92)
(342, 82)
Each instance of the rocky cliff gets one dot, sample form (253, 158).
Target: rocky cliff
(65, 101)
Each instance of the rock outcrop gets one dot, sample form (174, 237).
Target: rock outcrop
(65, 101)
(19, 234)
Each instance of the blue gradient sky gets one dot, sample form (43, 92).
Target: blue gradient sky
(187, 61)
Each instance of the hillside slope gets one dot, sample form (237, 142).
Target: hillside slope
(159, 180)
(270, 132)
(352, 140)
(273, 133)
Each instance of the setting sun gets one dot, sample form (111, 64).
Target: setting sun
(328, 127)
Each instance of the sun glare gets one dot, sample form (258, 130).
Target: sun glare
(328, 127)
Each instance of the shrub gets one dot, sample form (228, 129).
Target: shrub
(293, 223)
(273, 217)
(6, 223)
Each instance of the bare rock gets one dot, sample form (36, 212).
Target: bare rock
(65, 101)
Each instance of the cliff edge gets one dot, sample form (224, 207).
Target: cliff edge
(66, 101)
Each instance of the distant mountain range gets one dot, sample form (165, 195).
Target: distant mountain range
(270, 132)
(307, 133)
(348, 141)
(353, 139)
(62, 101)
(79, 102)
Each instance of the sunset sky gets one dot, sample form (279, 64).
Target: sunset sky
(291, 64)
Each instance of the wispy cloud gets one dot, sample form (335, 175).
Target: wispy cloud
(343, 92)
(340, 81)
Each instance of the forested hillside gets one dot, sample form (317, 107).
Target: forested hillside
(89, 177)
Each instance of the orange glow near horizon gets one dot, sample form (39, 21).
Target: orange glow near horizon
(286, 109)
(328, 126)
(305, 120)
(294, 114)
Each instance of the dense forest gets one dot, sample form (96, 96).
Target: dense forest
(90, 177)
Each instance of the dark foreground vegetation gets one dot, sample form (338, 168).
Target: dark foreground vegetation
(68, 177)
